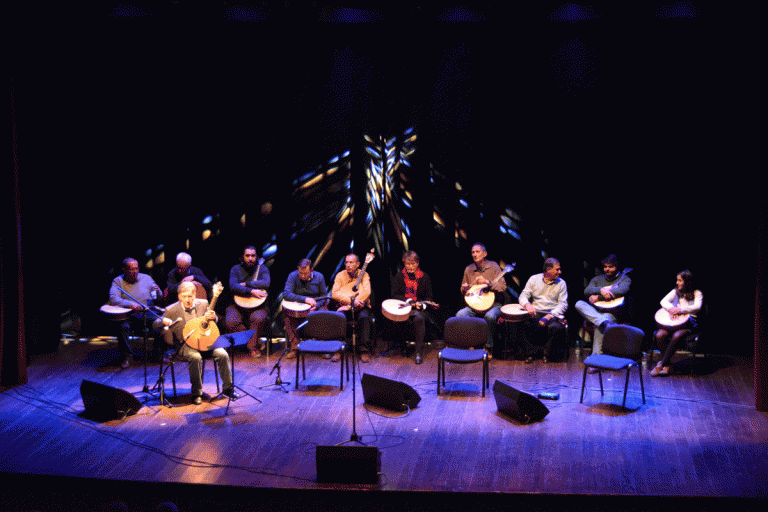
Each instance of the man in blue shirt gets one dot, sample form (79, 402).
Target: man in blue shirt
(303, 286)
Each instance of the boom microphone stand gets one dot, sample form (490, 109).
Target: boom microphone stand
(145, 333)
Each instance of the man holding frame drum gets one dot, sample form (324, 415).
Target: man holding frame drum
(304, 291)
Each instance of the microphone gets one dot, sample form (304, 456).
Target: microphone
(172, 323)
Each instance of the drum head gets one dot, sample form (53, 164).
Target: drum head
(396, 310)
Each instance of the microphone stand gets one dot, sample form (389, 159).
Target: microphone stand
(145, 309)
(354, 438)
(160, 383)
(231, 340)
(278, 381)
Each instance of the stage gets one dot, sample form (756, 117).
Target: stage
(697, 435)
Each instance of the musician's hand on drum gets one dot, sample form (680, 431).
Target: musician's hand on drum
(481, 280)
(606, 292)
(675, 311)
(545, 320)
(136, 307)
(531, 311)
(256, 292)
(593, 298)
(465, 288)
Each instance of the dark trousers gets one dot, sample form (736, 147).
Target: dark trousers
(239, 319)
(363, 330)
(532, 338)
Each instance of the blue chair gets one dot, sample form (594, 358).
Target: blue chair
(324, 332)
(461, 334)
(622, 350)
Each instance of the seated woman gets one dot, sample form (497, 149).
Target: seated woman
(684, 299)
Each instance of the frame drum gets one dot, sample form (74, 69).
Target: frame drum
(514, 313)
(608, 305)
(115, 313)
(396, 310)
(296, 309)
(666, 321)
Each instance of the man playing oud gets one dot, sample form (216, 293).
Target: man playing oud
(249, 281)
(487, 273)
(603, 289)
(344, 291)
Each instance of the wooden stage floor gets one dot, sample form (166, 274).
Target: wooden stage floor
(697, 436)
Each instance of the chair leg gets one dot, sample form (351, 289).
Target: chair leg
(642, 387)
(216, 376)
(298, 357)
(341, 374)
(626, 386)
(163, 370)
(485, 369)
(583, 384)
(439, 363)
(600, 376)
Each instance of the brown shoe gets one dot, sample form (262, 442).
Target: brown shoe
(291, 354)
(255, 354)
(365, 358)
(665, 370)
(336, 358)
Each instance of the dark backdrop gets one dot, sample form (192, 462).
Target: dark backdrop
(626, 133)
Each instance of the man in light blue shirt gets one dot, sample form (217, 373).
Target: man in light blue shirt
(545, 298)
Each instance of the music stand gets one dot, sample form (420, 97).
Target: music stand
(228, 341)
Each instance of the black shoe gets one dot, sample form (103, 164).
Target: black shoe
(197, 400)
(528, 360)
(418, 359)
(230, 393)
(125, 363)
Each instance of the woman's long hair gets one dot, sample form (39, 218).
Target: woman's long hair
(688, 286)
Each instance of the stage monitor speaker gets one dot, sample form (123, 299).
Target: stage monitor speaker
(390, 394)
(348, 464)
(517, 404)
(104, 403)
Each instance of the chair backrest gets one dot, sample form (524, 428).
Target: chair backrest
(326, 325)
(623, 341)
(465, 331)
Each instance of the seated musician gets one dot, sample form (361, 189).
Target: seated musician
(545, 298)
(184, 271)
(248, 280)
(605, 287)
(343, 293)
(306, 286)
(140, 287)
(413, 285)
(684, 299)
(176, 315)
(484, 272)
